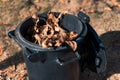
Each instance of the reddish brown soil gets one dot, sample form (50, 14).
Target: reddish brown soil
(105, 19)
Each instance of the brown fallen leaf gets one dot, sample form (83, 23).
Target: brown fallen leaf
(61, 1)
(48, 31)
(72, 35)
(107, 9)
(36, 1)
(44, 43)
(87, 11)
(1, 51)
(117, 5)
(4, 0)
(51, 18)
(72, 44)
(38, 39)
(21, 75)
(38, 8)
(5, 23)
(58, 43)
(1, 72)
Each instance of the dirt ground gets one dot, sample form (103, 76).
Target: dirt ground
(105, 19)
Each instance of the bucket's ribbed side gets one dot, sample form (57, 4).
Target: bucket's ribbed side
(50, 70)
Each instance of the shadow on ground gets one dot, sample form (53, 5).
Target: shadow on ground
(13, 60)
(111, 40)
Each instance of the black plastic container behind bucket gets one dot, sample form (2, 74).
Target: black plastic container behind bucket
(59, 63)
(93, 55)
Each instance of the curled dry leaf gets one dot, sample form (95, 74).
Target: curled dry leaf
(44, 43)
(47, 31)
(51, 34)
(38, 39)
(72, 44)
(73, 35)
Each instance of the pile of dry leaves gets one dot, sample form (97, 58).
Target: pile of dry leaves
(52, 34)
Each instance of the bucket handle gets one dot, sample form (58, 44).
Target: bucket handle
(62, 63)
(11, 34)
(31, 57)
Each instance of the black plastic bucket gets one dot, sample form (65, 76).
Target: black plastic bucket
(62, 63)
(59, 63)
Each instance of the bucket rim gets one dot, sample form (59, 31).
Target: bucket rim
(27, 44)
